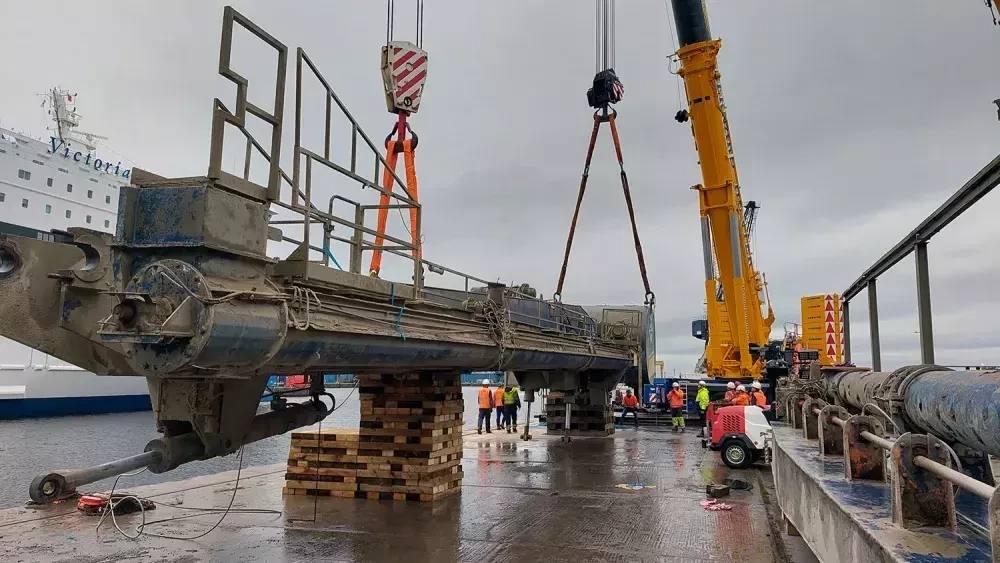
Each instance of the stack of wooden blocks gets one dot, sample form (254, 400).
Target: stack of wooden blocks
(585, 419)
(408, 446)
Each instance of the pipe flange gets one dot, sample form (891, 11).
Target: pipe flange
(47, 488)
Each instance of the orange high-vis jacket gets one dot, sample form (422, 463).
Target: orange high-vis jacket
(730, 395)
(676, 398)
(630, 401)
(485, 398)
(741, 399)
(498, 397)
(758, 399)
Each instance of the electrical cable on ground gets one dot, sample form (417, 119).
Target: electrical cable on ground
(140, 529)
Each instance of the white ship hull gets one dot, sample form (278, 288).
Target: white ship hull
(52, 185)
(34, 385)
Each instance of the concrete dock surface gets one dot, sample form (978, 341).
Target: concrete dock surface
(522, 501)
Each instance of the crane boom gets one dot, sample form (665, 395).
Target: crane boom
(735, 352)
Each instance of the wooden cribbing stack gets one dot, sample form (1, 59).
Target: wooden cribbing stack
(408, 446)
(590, 416)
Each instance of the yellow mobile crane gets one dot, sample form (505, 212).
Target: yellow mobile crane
(738, 332)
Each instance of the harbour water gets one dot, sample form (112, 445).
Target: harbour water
(29, 447)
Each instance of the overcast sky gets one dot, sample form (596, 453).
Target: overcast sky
(851, 121)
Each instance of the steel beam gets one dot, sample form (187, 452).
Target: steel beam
(924, 305)
(873, 326)
(973, 190)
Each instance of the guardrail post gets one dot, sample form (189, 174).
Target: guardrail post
(873, 326)
(920, 498)
(863, 461)
(994, 521)
(924, 305)
(810, 421)
(831, 440)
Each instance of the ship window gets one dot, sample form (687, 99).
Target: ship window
(88, 219)
(68, 213)
(92, 180)
(3, 196)
(48, 209)
(38, 162)
(24, 203)
(107, 199)
(64, 170)
(90, 194)
(69, 188)
(107, 224)
(23, 175)
(48, 182)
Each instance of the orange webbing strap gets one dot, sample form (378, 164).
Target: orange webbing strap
(576, 211)
(392, 150)
(650, 298)
(600, 117)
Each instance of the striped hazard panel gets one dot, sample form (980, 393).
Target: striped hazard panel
(404, 72)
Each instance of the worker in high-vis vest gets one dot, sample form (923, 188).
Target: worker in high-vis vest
(675, 398)
(757, 397)
(485, 406)
(498, 405)
(702, 400)
(741, 397)
(630, 404)
(511, 402)
(730, 391)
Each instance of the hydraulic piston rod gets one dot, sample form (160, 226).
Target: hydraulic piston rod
(164, 454)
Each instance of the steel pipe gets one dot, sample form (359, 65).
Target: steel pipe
(956, 406)
(961, 479)
(877, 440)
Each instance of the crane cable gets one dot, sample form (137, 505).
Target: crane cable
(607, 90)
(390, 22)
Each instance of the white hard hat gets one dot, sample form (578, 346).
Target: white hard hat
(701, 383)
(486, 382)
(677, 384)
(756, 385)
(731, 385)
(741, 388)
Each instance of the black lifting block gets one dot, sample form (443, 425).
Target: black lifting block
(607, 89)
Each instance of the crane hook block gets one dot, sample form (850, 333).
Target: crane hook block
(404, 72)
(607, 89)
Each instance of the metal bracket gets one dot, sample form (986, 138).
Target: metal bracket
(863, 461)
(994, 521)
(831, 435)
(810, 421)
(794, 411)
(919, 497)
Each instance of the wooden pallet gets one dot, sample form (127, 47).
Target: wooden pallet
(408, 445)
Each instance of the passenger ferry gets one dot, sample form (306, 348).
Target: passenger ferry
(47, 185)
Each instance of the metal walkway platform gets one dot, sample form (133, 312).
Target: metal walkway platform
(542, 500)
(842, 520)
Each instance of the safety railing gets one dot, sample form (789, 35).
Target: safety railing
(919, 468)
(300, 209)
(916, 242)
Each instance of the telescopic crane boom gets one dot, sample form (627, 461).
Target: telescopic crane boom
(738, 351)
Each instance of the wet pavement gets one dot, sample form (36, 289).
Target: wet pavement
(541, 500)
